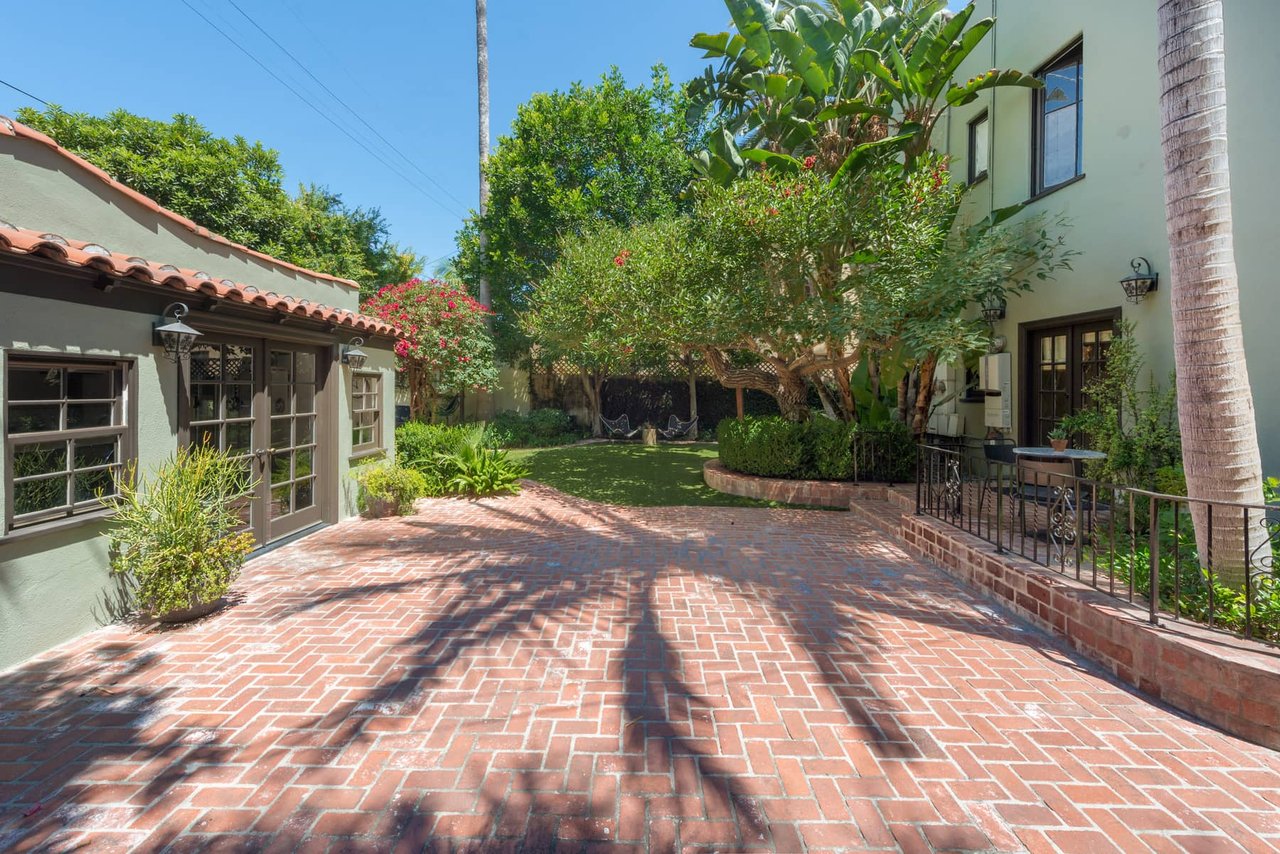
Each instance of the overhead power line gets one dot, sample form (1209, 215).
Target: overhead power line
(24, 92)
(347, 106)
(324, 115)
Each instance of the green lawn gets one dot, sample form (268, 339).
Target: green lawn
(631, 474)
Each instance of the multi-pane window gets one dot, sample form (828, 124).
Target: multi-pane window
(65, 436)
(979, 148)
(1059, 129)
(366, 412)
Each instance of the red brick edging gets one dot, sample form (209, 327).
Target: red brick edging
(1229, 682)
(811, 493)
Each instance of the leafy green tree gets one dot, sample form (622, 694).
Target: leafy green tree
(234, 188)
(573, 159)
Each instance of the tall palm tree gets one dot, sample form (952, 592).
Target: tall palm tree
(482, 82)
(1215, 402)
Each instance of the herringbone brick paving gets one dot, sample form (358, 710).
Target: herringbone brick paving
(540, 673)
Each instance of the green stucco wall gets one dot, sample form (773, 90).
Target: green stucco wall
(1117, 210)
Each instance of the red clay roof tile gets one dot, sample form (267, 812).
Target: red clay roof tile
(75, 253)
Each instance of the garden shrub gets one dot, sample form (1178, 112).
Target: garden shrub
(396, 485)
(176, 535)
(541, 428)
(456, 460)
(419, 445)
(820, 449)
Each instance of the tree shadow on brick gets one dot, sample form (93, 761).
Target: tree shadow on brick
(64, 720)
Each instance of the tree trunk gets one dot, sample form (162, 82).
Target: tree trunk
(788, 388)
(482, 101)
(591, 384)
(924, 395)
(1215, 403)
(693, 397)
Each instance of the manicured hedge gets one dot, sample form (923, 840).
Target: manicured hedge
(820, 449)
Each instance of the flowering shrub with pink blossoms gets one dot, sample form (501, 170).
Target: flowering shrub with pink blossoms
(446, 346)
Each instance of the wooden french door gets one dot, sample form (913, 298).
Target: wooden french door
(1061, 361)
(259, 401)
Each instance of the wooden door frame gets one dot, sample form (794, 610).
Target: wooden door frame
(1026, 383)
(327, 415)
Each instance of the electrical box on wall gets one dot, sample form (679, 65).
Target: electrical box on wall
(995, 377)
(995, 372)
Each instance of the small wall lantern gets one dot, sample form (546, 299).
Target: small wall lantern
(993, 307)
(175, 336)
(352, 355)
(1141, 282)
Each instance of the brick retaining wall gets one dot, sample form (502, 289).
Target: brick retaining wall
(1229, 682)
(811, 493)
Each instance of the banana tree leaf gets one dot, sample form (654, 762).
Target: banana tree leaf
(803, 61)
(939, 36)
(864, 154)
(773, 160)
(958, 96)
(752, 19)
(852, 108)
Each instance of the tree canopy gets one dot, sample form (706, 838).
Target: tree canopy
(573, 159)
(234, 188)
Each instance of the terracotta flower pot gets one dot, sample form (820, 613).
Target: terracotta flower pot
(195, 612)
(1059, 444)
(380, 508)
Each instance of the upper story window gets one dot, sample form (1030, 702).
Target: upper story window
(979, 147)
(1059, 129)
(65, 436)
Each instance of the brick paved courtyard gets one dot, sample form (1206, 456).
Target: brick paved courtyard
(541, 673)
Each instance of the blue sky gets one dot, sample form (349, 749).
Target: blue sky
(407, 67)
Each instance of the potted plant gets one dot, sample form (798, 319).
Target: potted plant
(177, 537)
(1060, 437)
(389, 490)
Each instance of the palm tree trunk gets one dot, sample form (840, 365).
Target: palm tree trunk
(482, 99)
(1215, 402)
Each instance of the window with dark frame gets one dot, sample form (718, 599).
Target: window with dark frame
(366, 412)
(66, 436)
(979, 148)
(1058, 122)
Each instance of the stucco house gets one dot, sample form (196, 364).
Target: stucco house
(1088, 146)
(88, 269)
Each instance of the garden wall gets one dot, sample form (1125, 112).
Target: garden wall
(1229, 682)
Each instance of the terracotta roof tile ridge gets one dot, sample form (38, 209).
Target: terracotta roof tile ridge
(86, 254)
(13, 128)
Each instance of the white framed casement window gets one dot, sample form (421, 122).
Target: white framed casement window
(366, 413)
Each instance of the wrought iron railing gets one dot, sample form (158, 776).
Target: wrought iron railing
(1179, 558)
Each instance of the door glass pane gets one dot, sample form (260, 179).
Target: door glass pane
(280, 466)
(1060, 348)
(306, 367)
(280, 501)
(239, 401)
(35, 383)
(304, 494)
(239, 364)
(240, 437)
(281, 400)
(306, 430)
(204, 402)
(281, 366)
(305, 398)
(280, 438)
(302, 463)
(206, 363)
